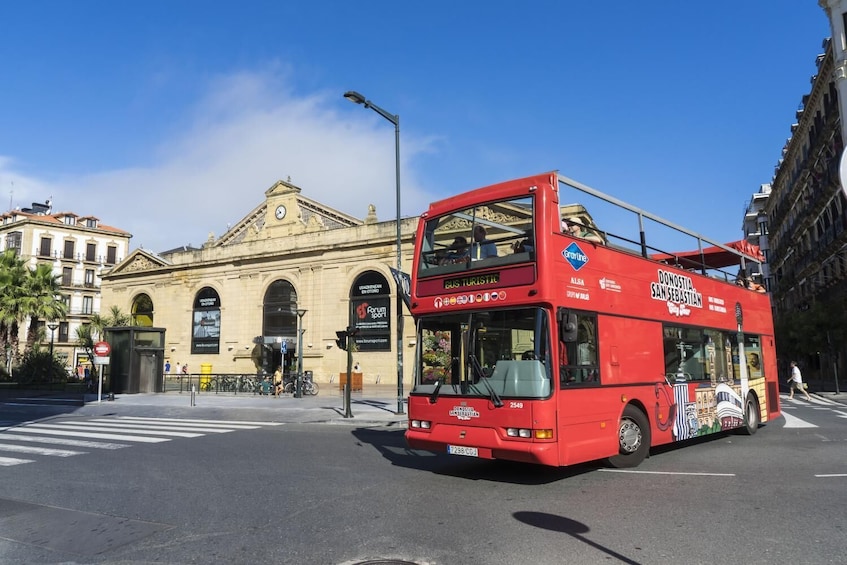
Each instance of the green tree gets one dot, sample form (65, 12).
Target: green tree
(92, 332)
(13, 300)
(41, 300)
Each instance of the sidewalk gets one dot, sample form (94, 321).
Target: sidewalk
(376, 405)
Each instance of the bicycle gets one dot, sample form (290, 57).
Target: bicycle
(307, 386)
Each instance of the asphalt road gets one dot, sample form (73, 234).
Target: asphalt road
(222, 490)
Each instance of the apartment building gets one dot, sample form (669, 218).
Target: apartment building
(755, 228)
(79, 248)
(807, 229)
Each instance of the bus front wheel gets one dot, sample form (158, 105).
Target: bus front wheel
(633, 439)
(751, 416)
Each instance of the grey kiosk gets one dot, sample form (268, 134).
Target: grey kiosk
(137, 360)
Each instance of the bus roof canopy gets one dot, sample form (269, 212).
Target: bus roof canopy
(714, 257)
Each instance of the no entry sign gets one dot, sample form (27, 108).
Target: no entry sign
(102, 349)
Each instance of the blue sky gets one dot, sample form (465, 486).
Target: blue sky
(170, 119)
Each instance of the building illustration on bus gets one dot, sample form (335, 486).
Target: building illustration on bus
(575, 341)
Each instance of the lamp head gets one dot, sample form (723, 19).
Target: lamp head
(354, 96)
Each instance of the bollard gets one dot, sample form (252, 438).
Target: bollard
(192, 395)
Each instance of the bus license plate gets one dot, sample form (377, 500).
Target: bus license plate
(462, 450)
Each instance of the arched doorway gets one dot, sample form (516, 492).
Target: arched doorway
(279, 329)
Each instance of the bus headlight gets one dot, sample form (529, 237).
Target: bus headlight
(421, 424)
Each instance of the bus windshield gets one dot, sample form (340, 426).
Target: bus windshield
(494, 233)
(500, 353)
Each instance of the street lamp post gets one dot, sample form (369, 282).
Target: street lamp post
(298, 392)
(394, 119)
(52, 326)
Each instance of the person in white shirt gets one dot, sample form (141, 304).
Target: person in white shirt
(796, 382)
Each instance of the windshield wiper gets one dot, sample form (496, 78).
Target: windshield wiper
(434, 396)
(480, 376)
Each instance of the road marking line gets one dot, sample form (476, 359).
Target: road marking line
(92, 435)
(152, 426)
(64, 441)
(667, 473)
(832, 475)
(82, 426)
(9, 461)
(224, 422)
(795, 422)
(38, 450)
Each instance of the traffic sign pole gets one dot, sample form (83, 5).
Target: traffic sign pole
(102, 350)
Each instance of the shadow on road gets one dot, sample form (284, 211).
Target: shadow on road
(392, 445)
(21, 405)
(570, 527)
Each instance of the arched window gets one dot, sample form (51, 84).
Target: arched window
(206, 322)
(142, 311)
(370, 304)
(280, 310)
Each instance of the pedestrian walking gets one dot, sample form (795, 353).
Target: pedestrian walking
(795, 382)
(167, 367)
(278, 381)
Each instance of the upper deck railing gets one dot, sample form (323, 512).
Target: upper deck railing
(708, 256)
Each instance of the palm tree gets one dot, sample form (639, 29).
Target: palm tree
(13, 273)
(41, 300)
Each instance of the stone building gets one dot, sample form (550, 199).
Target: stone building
(80, 249)
(230, 307)
(807, 229)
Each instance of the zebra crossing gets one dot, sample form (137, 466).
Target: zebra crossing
(66, 438)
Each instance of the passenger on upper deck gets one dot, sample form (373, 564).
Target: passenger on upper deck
(574, 227)
(457, 252)
(749, 283)
(482, 247)
(525, 245)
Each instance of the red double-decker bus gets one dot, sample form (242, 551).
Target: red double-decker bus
(545, 336)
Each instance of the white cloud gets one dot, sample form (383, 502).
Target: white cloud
(248, 132)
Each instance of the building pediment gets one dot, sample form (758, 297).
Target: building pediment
(140, 260)
(285, 212)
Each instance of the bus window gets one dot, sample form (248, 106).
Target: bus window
(686, 356)
(578, 355)
(494, 233)
(753, 352)
(471, 354)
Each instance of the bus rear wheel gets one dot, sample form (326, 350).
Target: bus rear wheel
(633, 439)
(751, 416)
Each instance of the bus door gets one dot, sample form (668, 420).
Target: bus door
(587, 423)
